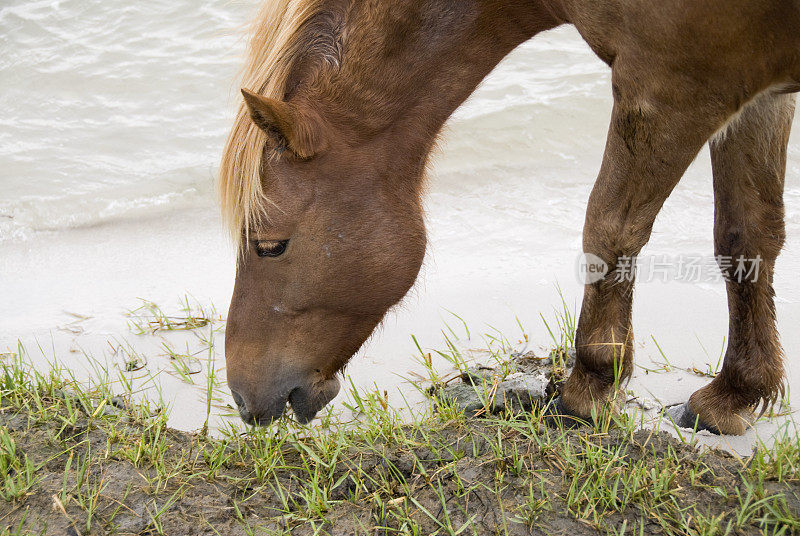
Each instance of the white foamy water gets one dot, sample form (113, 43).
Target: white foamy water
(111, 107)
(114, 117)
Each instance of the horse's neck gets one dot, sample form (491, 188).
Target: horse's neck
(408, 66)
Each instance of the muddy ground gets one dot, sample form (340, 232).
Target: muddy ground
(464, 476)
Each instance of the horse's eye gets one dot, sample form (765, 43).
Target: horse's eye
(271, 248)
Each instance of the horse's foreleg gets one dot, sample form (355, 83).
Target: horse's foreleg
(749, 163)
(648, 149)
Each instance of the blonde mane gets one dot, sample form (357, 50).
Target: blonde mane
(272, 48)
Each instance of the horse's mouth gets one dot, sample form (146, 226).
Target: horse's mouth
(305, 401)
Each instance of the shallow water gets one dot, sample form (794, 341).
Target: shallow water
(111, 107)
(114, 119)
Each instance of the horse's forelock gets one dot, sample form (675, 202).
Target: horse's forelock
(285, 34)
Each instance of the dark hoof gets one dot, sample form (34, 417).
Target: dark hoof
(556, 415)
(684, 417)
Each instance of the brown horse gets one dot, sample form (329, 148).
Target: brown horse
(322, 175)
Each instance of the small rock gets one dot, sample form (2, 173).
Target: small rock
(465, 396)
(521, 392)
(477, 375)
(530, 362)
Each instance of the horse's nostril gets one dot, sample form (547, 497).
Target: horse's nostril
(238, 399)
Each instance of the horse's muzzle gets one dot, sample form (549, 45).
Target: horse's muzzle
(306, 401)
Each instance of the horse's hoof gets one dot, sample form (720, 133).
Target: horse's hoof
(684, 417)
(556, 415)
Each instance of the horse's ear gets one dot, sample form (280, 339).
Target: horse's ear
(301, 134)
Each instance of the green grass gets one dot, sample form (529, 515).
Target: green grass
(68, 460)
(150, 318)
(17, 470)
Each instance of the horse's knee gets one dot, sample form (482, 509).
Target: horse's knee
(734, 240)
(729, 241)
(615, 235)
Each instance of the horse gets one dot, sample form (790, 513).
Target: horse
(322, 176)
